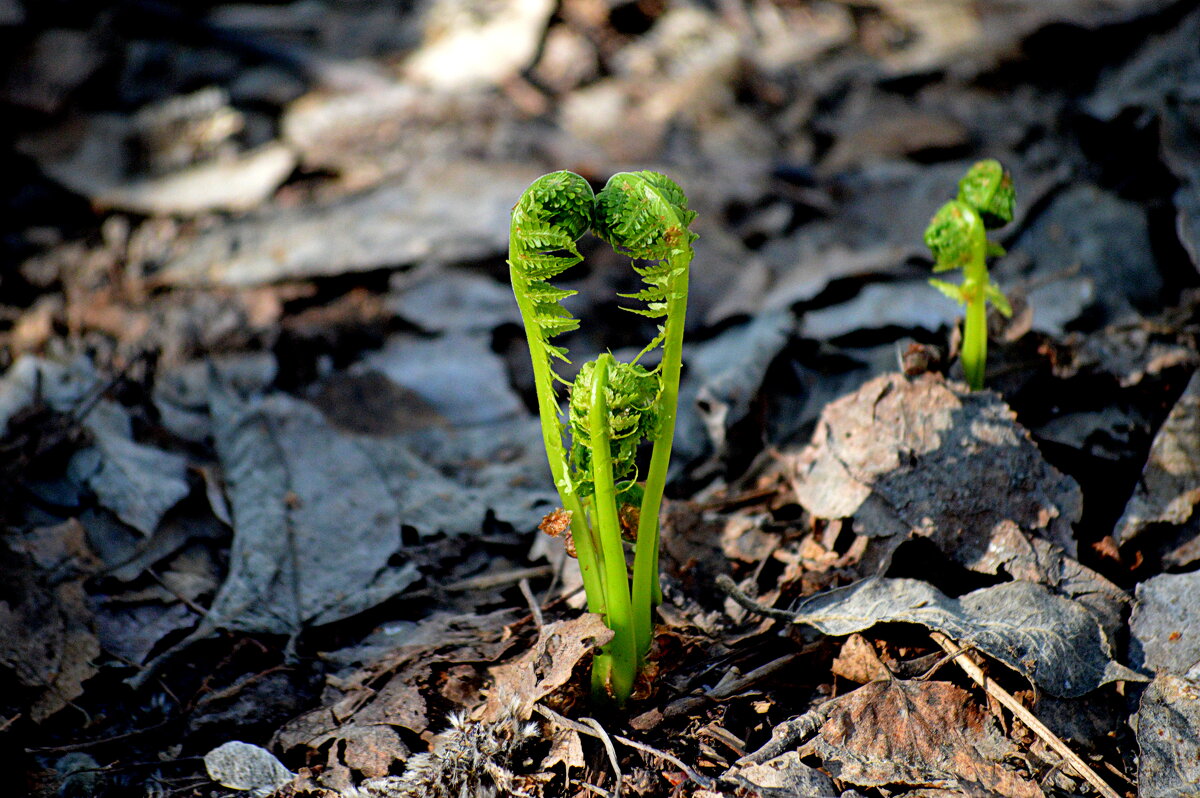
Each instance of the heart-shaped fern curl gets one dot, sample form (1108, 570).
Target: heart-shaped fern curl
(613, 406)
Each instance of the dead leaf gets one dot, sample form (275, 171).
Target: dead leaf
(372, 750)
(1168, 734)
(859, 662)
(46, 638)
(918, 734)
(1169, 488)
(1164, 633)
(1052, 640)
(548, 665)
(296, 485)
(931, 459)
(389, 689)
(782, 777)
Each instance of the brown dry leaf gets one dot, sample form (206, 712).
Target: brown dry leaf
(920, 734)
(927, 458)
(46, 635)
(565, 748)
(371, 749)
(391, 691)
(547, 666)
(858, 661)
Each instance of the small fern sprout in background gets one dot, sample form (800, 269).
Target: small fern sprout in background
(957, 236)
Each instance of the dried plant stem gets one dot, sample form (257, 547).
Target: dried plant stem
(962, 657)
(567, 723)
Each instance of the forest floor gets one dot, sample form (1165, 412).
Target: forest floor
(270, 467)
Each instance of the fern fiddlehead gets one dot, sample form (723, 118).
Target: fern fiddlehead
(645, 215)
(957, 237)
(614, 406)
(547, 221)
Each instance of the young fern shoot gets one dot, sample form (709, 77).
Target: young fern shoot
(957, 236)
(614, 407)
(645, 215)
(551, 215)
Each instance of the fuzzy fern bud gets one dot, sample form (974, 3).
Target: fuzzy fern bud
(632, 418)
(988, 188)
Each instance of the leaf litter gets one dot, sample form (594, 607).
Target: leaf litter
(285, 485)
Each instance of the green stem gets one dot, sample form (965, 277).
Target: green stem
(647, 589)
(604, 502)
(975, 280)
(586, 547)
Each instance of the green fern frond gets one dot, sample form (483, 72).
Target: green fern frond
(632, 399)
(548, 219)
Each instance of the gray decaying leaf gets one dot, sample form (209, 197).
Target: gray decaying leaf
(316, 517)
(457, 374)
(62, 386)
(1105, 237)
(1169, 488)
(422, 218)
(1052, 640)
(1181, 127)
(931, 459)
(137, 482)
(242, 766)
(444, 299)
(785, 776)
(1165, 626)
(723, 378)
(470, 44)
(1168, 734)
(929, 734)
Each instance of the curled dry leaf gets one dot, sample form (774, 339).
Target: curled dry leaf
(927, 458)
(1169, 489)
(1052, 640)
(548, 665)
(921, 734)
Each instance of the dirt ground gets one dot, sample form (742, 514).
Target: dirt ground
(270, 467)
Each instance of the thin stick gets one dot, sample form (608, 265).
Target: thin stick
(729, 588)
(612, 753)
(567, 723)
(961, 656)
(736, 685)
(538, 621)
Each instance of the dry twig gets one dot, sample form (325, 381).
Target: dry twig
(971, 668)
